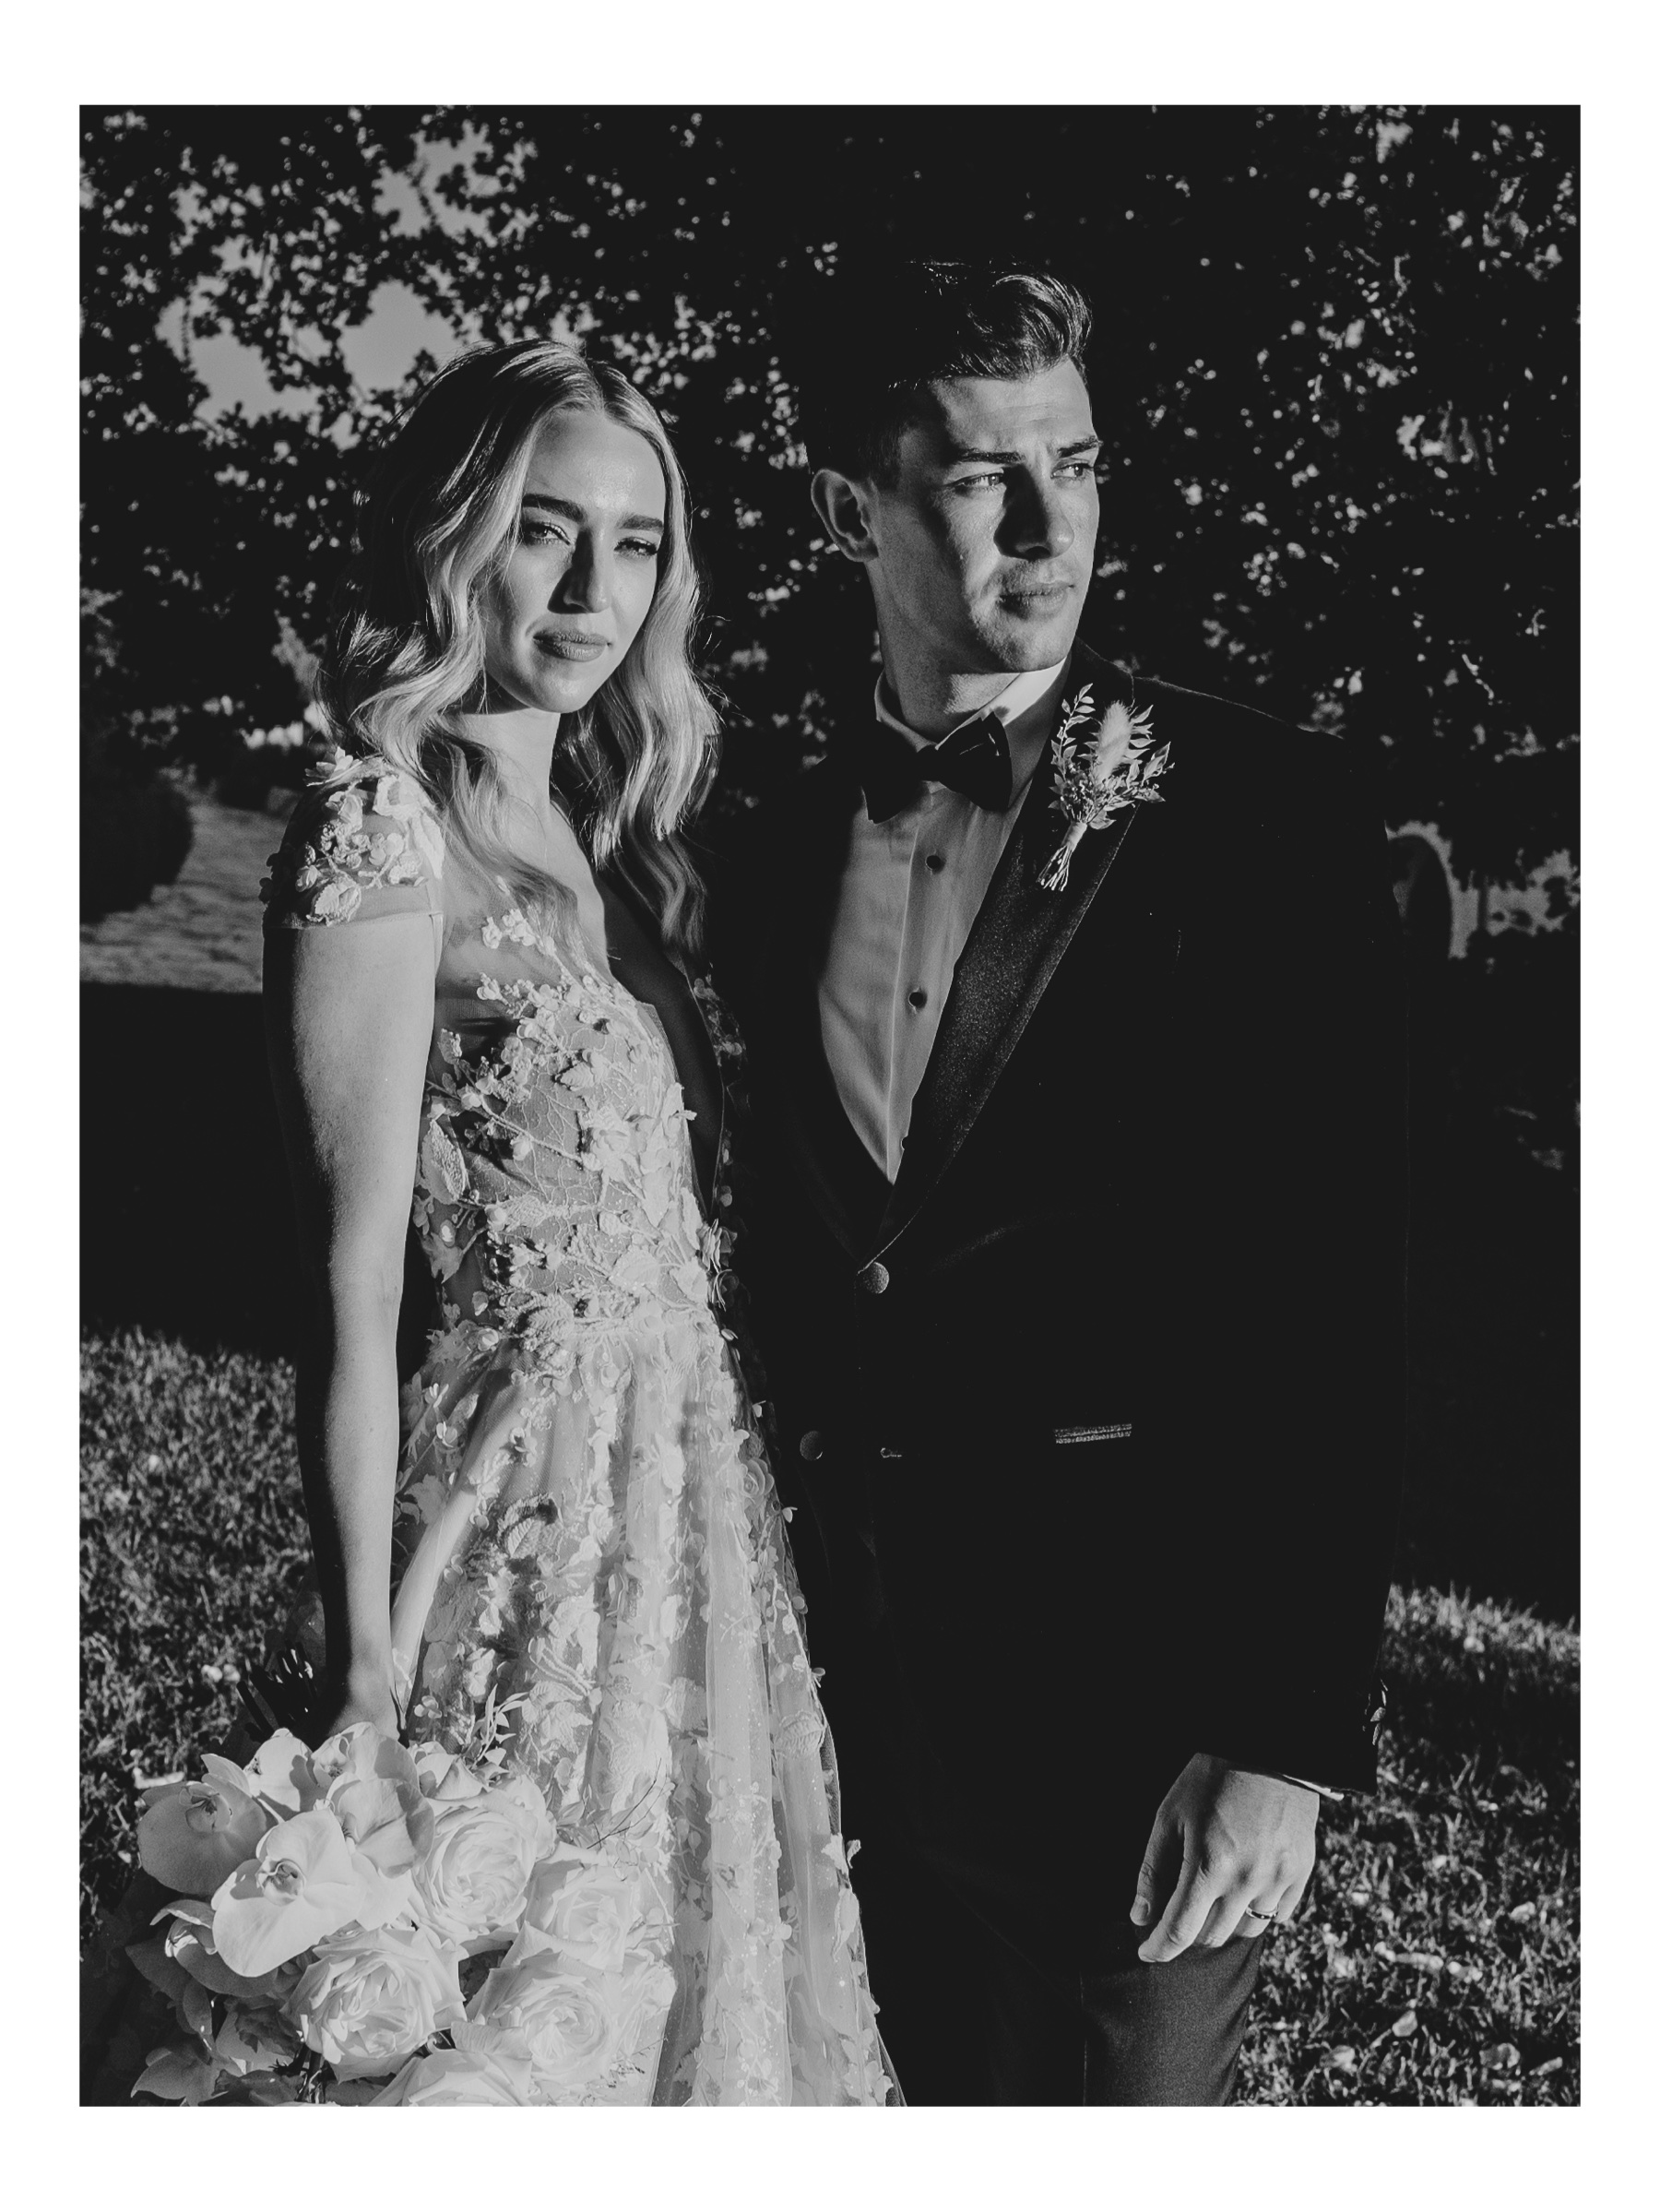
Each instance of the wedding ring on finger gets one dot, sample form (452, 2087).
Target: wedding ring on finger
(1255, 1912)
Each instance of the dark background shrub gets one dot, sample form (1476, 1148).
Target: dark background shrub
(134, 820)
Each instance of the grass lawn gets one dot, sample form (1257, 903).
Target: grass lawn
(1435, 1957)
(1435, 1961)
(193, 1536)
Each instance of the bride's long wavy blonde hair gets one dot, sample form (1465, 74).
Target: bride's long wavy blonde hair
(406, 652)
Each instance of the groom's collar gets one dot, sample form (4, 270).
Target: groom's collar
(1026, 708)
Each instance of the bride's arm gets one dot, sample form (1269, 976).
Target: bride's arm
(348, 1023)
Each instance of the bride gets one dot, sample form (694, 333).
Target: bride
(479, 934)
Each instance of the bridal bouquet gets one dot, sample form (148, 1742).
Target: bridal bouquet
(336, 1910)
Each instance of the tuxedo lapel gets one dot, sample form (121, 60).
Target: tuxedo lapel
(1016, 944)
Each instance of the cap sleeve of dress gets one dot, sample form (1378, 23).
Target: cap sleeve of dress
(357, 850)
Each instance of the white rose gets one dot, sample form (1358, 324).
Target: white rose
(369, 2001)
(641, 1997)
(590, 1909)
(470, 1884)
(460, 2078)
(443, 1778)
(555, 2015)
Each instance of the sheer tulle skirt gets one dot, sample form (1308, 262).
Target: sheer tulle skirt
(595, 1567)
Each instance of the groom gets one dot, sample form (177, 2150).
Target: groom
(1076, 1254)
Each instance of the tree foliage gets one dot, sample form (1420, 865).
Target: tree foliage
(1336, 370)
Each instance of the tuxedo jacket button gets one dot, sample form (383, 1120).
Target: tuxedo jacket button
(811, 1445)
(874, 1279)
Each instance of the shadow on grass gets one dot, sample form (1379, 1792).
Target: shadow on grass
(187, 1224)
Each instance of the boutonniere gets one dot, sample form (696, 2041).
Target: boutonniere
(1099, 774)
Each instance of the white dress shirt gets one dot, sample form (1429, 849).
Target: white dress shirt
(910, 890)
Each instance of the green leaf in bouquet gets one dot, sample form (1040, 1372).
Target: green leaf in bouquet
(161, 1970)
(180, 2072)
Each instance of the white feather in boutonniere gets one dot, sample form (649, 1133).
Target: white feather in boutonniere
(1099, 773)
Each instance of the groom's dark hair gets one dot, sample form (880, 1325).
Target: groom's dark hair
(873, 339)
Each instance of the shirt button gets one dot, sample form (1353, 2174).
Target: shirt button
(811, 1445)
(936, 860)
(918, 998)
(874, 1279)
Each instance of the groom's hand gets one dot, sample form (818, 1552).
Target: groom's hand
(1232, 1842)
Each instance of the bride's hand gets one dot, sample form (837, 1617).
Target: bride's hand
(372, 1701)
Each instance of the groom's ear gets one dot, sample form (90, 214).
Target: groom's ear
(844, 508)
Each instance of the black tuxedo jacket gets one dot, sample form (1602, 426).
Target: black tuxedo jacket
(1098, 1412)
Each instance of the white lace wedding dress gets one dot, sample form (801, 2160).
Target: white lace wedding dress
(587, 1522)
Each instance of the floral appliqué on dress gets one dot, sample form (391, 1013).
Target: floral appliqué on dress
(372, 832)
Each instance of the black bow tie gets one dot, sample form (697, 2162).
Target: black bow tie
(973, 760)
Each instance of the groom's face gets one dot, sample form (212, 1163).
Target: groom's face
(984, 546)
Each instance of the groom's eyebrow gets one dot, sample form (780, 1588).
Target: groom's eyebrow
(1009, 461)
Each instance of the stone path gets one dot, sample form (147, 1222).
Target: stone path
(201, 933)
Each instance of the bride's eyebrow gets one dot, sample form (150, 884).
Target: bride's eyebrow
(571, 513)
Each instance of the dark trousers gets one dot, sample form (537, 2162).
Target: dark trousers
(1003, 1808)
(969, 2017)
